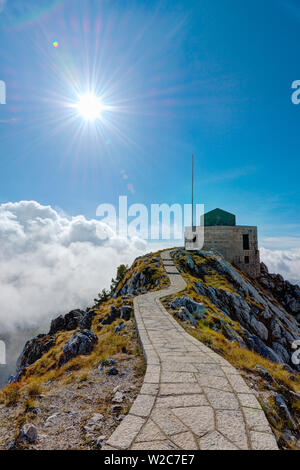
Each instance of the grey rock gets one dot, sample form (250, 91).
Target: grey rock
(67, 322)
(259, 328)
(118, 397)
(264, 373)
(256, 345)
(81, 342)
(184, 315)
(28, 433)
(282, 405)
(113, 371)
(52, 419)
(100, 441)
(282, 352)
(193, 307)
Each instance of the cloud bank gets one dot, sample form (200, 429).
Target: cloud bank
(284, 262)
(50, 264)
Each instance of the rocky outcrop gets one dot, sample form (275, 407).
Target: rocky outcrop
(71, 321)
(140, 282)
(81, 342)
(124, 313)
(266, 311)
(33, 350)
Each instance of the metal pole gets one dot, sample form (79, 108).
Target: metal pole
(193, 226)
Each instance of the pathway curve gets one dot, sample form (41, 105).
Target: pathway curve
(191, 398)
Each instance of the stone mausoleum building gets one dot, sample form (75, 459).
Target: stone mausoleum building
(237, 243)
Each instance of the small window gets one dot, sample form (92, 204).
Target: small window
(246, 245)
(247, 260)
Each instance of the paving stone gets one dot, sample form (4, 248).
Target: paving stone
(150, 432)
(142, 405)
(177, 377)
(215, 441)
(249, 400)
(125, 433)
(211, 369)
(179, 389)
(185, 440)
(221, 400)
(220, 383)
(231, 424)
(263, 441)
(178, 367)
(167, 422)
(199, 419)
(150, 389)
(181, 401)
(238, 384)
(256, 420)
(229, 370)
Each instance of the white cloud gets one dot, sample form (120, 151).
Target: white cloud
(51, 263)
(284, 262)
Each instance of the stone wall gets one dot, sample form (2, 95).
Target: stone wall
(229, 242)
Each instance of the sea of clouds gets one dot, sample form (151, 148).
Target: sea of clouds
(51, 263)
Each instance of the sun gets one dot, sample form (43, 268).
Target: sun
(90, 107)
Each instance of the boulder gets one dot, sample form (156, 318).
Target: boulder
(28, 433)
(118, 397)
(281, 352)
(193, 307)
(259, 328)
(81, 342)
(256, 345)
(184, 315)
(67, 322)
(33, 350)
(52, 420)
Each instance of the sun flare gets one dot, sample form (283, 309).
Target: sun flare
(90, 107)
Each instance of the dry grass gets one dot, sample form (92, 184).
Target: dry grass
(34, 389)
(11, 394)
(242, 358)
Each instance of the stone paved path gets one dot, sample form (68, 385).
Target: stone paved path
(191, 397)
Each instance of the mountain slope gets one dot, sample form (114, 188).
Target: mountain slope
(252, 324)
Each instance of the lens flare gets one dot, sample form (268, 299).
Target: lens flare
(55, 43)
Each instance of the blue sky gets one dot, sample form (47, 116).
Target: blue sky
(211, 77)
